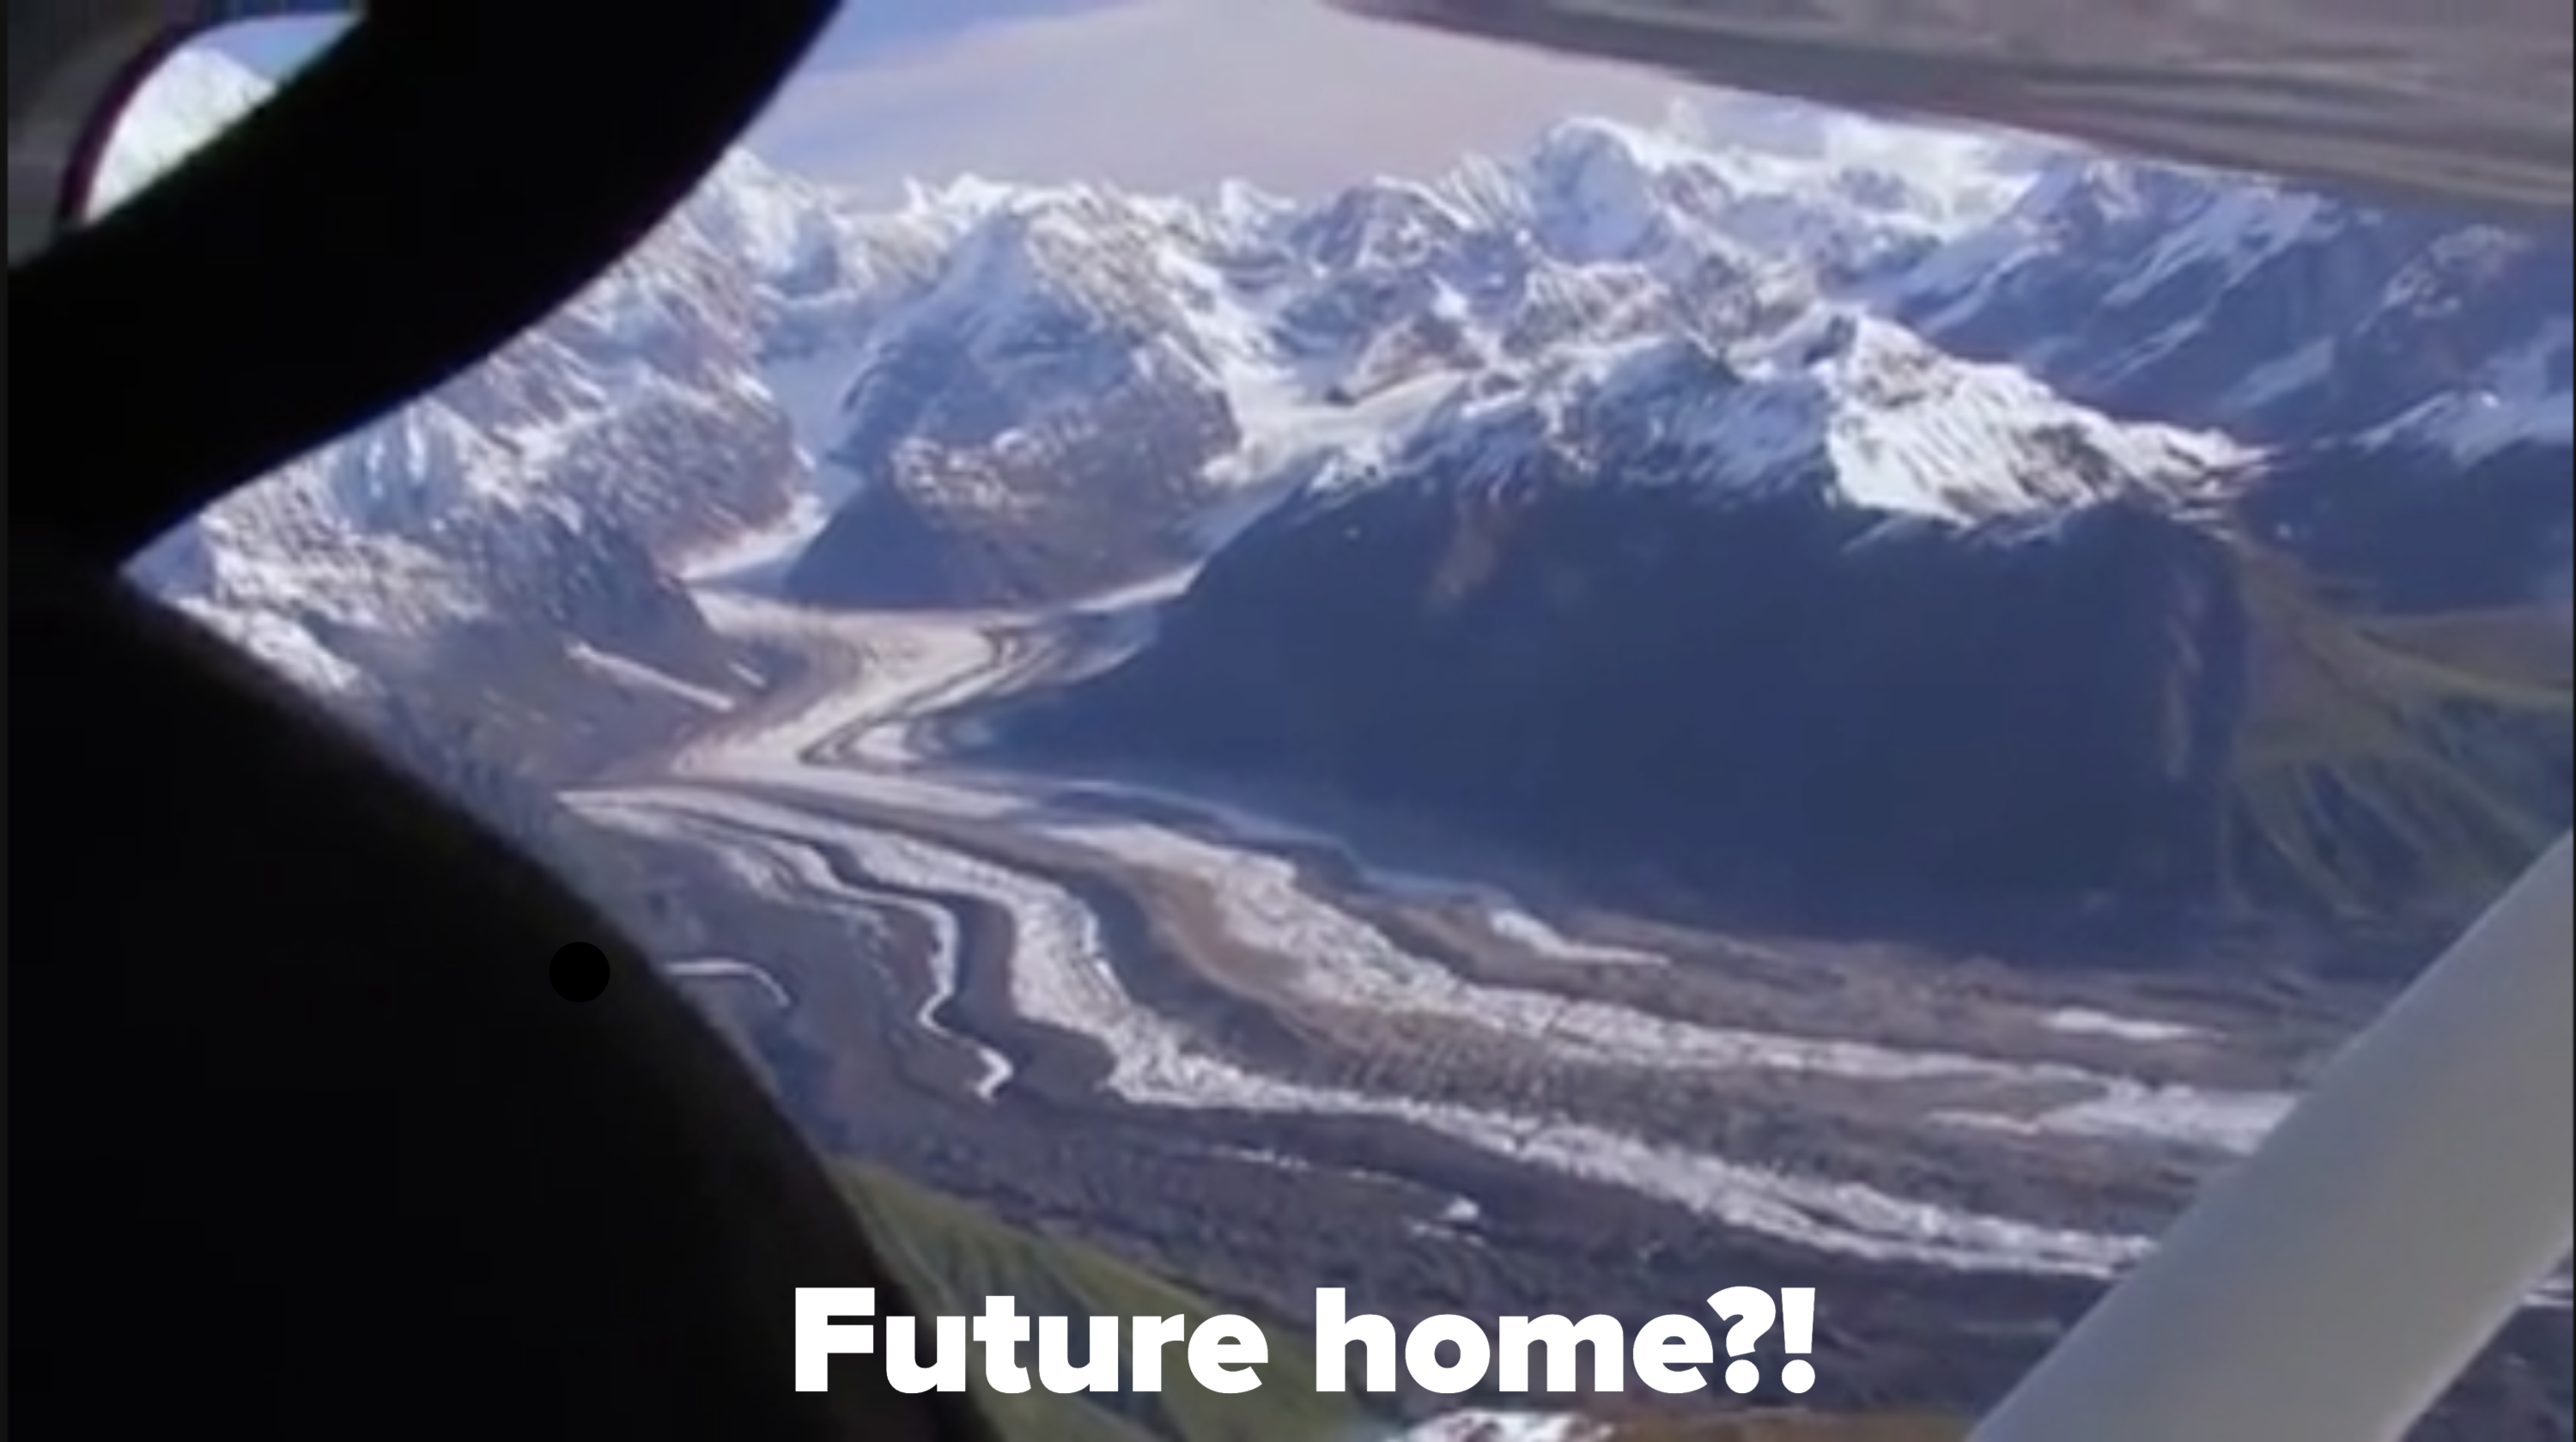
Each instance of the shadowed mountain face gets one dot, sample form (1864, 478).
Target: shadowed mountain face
(1780, 691)
(2399, 530)
(1793, 700)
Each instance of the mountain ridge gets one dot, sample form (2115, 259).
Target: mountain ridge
(774, 307)
(1013, 395)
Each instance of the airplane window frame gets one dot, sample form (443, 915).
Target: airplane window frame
(96, 80)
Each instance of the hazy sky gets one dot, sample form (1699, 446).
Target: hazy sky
(1152, 93)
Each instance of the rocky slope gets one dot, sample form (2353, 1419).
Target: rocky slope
(511, 541)
(2272, 313)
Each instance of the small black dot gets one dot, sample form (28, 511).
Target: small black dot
(580, 972)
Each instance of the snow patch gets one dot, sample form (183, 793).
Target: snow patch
(728, 969)
(2083, 1022)
(626, 671)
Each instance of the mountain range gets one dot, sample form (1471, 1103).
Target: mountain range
(1781, 497)
(1862, 519)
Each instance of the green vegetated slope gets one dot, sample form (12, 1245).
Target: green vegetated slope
(2417, 759)
(951, 1255)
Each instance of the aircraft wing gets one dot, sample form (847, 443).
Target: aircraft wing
(2464, 103)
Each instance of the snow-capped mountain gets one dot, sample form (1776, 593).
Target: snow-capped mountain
(523, 522)
(997, 393)
(1245, 342)
(1029, 422)
(1844, 402)
(2275, 314)
(1097, 381)
(1781, 594)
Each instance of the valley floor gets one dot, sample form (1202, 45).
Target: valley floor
(1265, 1056)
